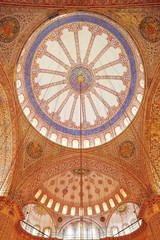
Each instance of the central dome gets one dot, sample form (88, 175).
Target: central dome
(80, 79)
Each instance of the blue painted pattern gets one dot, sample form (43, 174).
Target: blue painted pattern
(80, 79)
(27, 72)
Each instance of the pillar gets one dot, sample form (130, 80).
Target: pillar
(150, 213)
(10, 214)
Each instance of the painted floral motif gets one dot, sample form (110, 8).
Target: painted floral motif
(122, 208)
(34, 150)
(127, 149)
(40, 210)
(102, 219)
(60, 219)
(78, 171)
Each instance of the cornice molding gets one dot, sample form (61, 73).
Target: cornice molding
(80, 3)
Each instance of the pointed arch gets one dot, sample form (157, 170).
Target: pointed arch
(8, 133)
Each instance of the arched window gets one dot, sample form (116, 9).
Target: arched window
(104, 205)
(26, 111)
(75, 144)
(108, 137)
(49, 205)
(118, 130)
(64, 141)
(97, 208)
(35, 231)
(53, 137)
(117, 197)
(126, 229)
(34, 122)
(69, 232)
(43, 131)
(27, 227)
(44, 198)
(139, 97)
(73, 211)
(97, 141)
(123, 193)
(89, 210)
(18, 83)
(134, 110)
(65, 208)
(37, 195)
(86, 144)
(126, 121)
(81, 211)
(21, 97)
(57, 206)
(135, 224)
(77, 230)
(115, 231)
(111, 202)
(47, 233)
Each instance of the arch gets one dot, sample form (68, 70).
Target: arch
(115, 231)
(121, 218)
(47, 232)
(152, 134)
(109, 167)
(32, 211)
(8, 134)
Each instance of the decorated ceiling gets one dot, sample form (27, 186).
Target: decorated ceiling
(79, 112)
(80, 80)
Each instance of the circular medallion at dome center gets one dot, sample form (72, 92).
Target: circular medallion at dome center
(80, 79)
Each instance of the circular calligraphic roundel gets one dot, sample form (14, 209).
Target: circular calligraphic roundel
(80, 79)
(150, 29)
(34, 149)
(9, 29)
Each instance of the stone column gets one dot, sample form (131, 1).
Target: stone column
(150, 213)
(10, 214)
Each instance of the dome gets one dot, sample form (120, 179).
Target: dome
(124, 220)
(100, 193)
(80, 79)
(38, 222)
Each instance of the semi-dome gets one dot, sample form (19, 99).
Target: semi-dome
(80, 79)
(62, 193)
(38, 221)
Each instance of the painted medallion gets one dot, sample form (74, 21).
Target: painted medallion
(34, 149)
(127, 149)
(122, 208)
(9, 29)
(150, 29)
